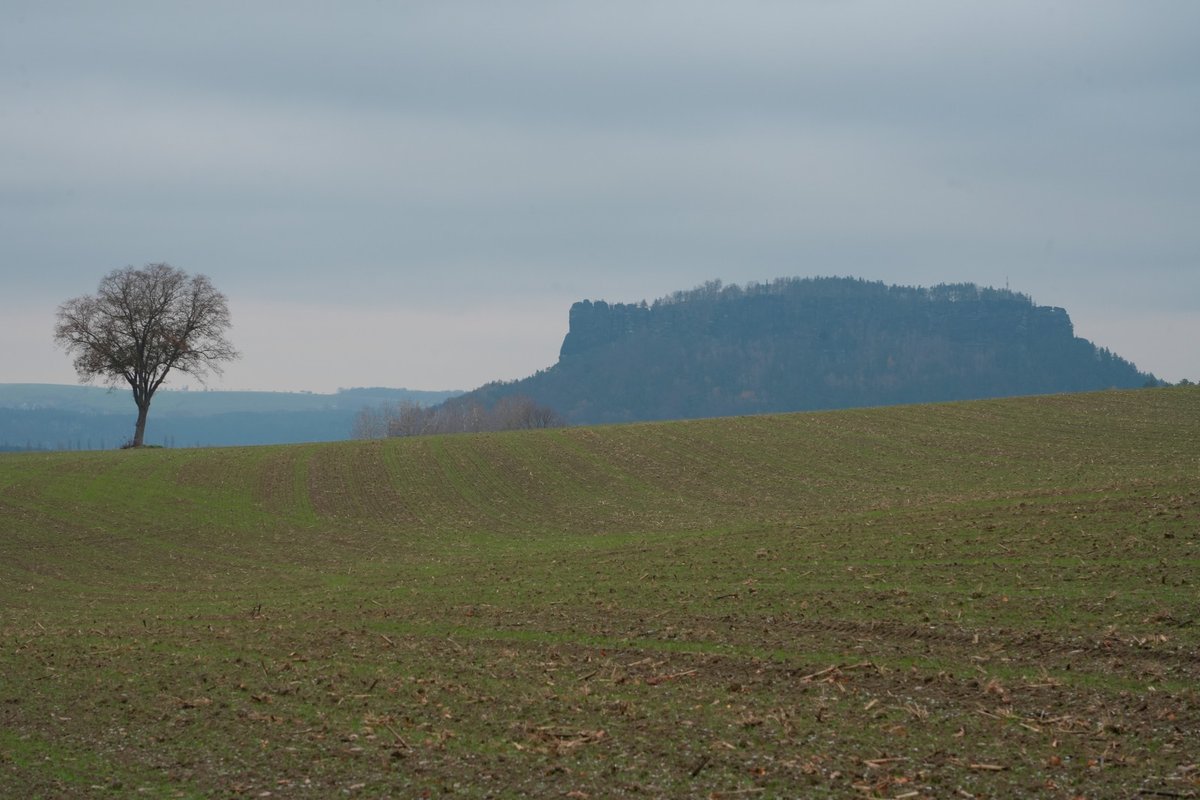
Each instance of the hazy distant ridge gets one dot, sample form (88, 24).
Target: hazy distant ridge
(53, 416)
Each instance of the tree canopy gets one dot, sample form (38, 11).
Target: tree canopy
(140, 325)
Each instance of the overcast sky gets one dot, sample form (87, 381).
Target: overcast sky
(413, 193)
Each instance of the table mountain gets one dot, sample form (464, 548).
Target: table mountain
(810, 343)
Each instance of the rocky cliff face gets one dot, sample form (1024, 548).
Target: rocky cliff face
(596, 324)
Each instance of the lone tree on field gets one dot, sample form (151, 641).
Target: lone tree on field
(140, 325)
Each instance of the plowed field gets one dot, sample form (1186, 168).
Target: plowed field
(990, 599)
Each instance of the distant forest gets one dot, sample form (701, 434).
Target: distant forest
(810, 343)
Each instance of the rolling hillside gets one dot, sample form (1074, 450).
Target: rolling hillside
(974, 597)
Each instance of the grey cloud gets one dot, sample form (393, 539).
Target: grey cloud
(450, 150)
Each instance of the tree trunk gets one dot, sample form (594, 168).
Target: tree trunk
(139, 433)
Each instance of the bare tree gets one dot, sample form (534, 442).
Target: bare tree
(519, 412)
(370, 423)
(140, 325)
(408, 418)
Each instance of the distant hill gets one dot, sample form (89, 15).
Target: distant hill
(59, 417)
(813, 343)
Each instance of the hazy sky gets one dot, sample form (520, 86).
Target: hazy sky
(413, 193)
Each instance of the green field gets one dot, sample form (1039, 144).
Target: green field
(986, 599)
